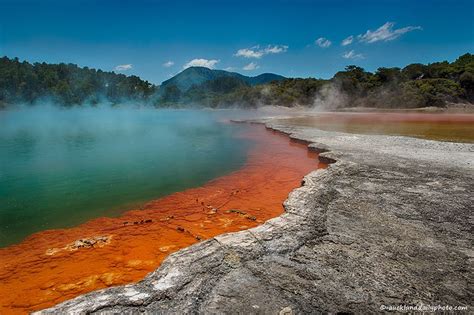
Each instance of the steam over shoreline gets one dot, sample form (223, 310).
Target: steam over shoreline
(414, 86)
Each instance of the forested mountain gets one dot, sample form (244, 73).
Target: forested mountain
(201, 86)
(66, 84)
(415, 85)
(196, 76)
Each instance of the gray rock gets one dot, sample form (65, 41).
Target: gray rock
(389, 223)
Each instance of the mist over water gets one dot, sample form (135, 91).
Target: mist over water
(60, 167)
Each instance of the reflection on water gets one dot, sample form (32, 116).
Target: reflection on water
(441, 127)
(61, 167)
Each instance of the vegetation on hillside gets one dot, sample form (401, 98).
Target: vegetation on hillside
(67, 84)
(416, 85)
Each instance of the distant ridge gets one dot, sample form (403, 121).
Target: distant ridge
(195, 76)
(439, 84)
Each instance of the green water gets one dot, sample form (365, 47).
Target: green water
(59, 168)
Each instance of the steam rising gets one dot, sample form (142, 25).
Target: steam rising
(62, 166)
(329, 98)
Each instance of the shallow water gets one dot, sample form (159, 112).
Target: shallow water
(59, 168)
(441, 127)
(53, 266)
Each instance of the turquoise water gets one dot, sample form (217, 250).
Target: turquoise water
(59, 168)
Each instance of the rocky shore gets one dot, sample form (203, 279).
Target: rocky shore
(389, 223)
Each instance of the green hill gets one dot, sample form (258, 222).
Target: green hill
(67, 84)
(200, 85)
(195, 76)
(416, 85)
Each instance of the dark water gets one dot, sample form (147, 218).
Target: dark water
(59, 168)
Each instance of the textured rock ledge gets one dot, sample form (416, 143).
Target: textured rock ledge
(389, 223)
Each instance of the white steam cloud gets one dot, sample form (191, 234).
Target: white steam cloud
(329, 98)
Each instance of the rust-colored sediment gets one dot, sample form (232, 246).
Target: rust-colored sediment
(439, 126)
(52, 266)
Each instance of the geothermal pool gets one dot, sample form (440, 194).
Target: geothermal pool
(59, 168)
(233, 190)
(125, 188)
(449, 127)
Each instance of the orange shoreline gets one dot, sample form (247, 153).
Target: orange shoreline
(56, 265)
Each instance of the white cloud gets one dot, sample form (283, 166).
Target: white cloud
(230, 69)
(256, 52)
(249, 53)
(251, 66)
(347, 41)
(168, 64)
(201, 63)
(352, 55)
(323, 42)
(123, 67)
(385, 33)
(276, 49)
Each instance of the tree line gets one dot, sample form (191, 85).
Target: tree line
(416, 85)
(67, 84)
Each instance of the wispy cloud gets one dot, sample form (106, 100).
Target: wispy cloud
(323, 42)
(251, 66)
(347, 41)
(352, 55)
(199, 62)
(385, 33)
(276, 49)
(257, 52)
(168, 64)
(249, 53)
(123, 67)
(230, 69)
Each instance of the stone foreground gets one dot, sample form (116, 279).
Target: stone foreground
(390, 223)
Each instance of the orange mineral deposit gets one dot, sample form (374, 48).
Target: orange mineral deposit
(56, 265)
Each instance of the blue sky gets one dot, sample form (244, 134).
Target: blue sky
(299, 38)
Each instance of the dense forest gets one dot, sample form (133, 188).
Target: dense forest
(66, 84)
(415, 85)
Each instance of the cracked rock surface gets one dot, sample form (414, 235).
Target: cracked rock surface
(391, 222)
